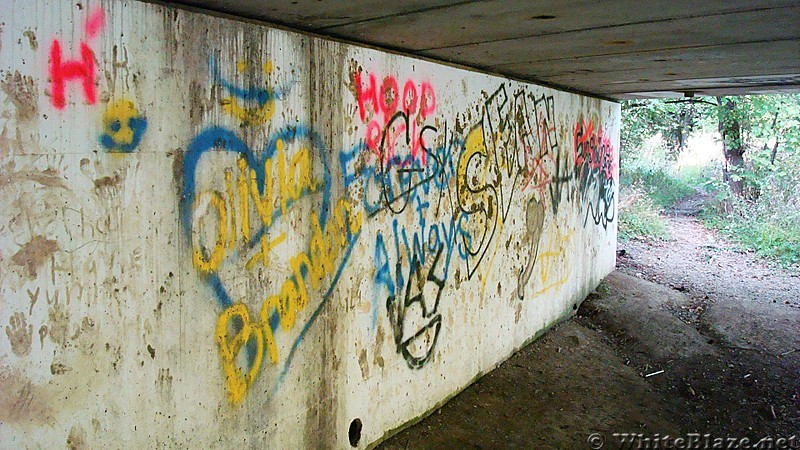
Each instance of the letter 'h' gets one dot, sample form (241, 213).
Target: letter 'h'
(61, 72)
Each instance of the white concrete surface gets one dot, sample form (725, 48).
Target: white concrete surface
(219, 234)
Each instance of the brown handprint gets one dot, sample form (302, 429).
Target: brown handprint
(20, 334)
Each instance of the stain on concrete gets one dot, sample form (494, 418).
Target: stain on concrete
(34, 297)
(107, 182)
(177, 171)
(59, 324)
(33, 255)
(19, 400)
(43, 330)
(23, 94)
(32, 41)
(58, 368)
(85, 335)
(20, 334)
(534, 223)
(77, 438)
(363, 363)
(164, 383)
(48, 177)
(377, 357)
(84, 164)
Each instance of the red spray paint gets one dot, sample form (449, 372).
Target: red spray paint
(82, 69)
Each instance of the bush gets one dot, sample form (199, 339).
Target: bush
(767, 226)
(639, 217)
(660, 182)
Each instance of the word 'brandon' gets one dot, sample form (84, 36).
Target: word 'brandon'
(237, 331)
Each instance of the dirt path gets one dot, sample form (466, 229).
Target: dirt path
(749, 302)
(690, 335)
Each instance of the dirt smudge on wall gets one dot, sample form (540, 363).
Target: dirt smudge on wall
(20, 400)
(47, 177)
(33, 255)
(77, 438)
(20, 334)
(59, 324)
(32, 41)
(362, 361)
(107, 182)
(23, 94)
(534, 224)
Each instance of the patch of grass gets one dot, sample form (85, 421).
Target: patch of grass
(695, 176)
(639, 217)
(772, 237)
(769, 226)
(603, 288)
(661, 183)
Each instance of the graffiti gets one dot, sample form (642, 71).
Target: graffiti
(253, 105)
(448, 196)
(123, 127)
(270, 186)
(595, 171)
(246, 218)
(411, 271)
(534, 215)
(444, 196)
(553, 263)
(418, 348)
(478, 197)
(272, 183)
(399, 175)
(378, 106)
(504, 154)
(82, 69)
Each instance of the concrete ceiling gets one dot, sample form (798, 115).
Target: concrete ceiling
(614, 48)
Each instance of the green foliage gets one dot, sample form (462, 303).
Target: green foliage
(697, 177)
(766, 218)
(639, 217)
(673, 119)
(661, 183)
(647, 168)
(769, 231)
(765, 118)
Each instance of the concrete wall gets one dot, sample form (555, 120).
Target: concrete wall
(218, 234)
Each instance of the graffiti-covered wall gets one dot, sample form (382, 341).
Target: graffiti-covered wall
(215, 233)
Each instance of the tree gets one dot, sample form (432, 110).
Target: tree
(755, 131)
(674, 119)
(730, 129)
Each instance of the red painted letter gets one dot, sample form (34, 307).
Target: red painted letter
(427, 100)
(369, 95)
(61, 72)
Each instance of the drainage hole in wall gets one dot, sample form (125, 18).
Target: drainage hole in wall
(575, 307)
(355, 432)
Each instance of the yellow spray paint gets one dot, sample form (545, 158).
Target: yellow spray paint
(123, 127)
(250, 112)
(210, 263)
(237, 380)
(554, 260)
(325, 246)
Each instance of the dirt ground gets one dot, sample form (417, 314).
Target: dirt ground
(687, 336)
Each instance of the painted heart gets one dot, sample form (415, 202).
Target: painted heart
(273, 181)
(222, 139)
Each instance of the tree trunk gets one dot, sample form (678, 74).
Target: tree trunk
(732, 145)
(774, 152)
